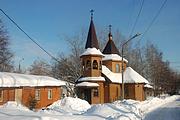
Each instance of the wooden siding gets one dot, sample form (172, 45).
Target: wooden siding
(129, 91)
(106, 92)
(8, 95)
(89, 96)
(114, 92)
(134, 91)
(139, 92)
(112, 65)
(27, 92)
(44, 101)
(100, 98)
(90, 72)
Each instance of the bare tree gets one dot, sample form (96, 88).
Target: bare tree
(6, 55)
(68, 67)
(39, 67)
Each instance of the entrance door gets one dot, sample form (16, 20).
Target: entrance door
(87, 93)
(106, 93)
(18, 95)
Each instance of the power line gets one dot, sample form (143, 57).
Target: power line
(137, 18)
(28, 36)
(155, 17)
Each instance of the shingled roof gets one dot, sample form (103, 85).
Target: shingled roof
(110, 47)
(92, 41)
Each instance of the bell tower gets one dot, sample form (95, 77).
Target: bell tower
(92, 57)
(112, 58)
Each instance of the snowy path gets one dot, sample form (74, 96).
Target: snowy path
(169, 111)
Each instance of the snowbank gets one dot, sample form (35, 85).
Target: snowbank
(77, 109)
(70, 105)
(14, 105)
(119, 110)
(153, 103)
(128, 109)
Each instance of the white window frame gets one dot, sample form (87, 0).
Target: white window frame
(50, 94)
(37, 94)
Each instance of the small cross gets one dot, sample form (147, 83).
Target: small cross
(92, 13)
(110, 26)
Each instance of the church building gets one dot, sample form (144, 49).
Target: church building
(101, 79)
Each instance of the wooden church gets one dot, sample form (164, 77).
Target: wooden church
(101, 79)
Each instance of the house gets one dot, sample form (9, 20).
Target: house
(101, 79)
(25, 88)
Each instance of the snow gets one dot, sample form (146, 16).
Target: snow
(117, 110)
(114, 77)
(17, 80)
(92, 51)
(114, 57)
(14, 105)
(70, 105)
(91, 79)
(153, 103)
(169, 111)
(130, 76)
(148, 86)
(76, 109)
(87, 84)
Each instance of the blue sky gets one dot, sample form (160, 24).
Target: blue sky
(48, 21)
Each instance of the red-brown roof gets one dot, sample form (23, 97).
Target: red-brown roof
(110, 47)
(92, 41)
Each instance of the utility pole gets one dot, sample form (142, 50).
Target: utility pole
(20, 64)
(122, 52)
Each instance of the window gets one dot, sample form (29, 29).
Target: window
(95, 64)
(88, 64)
(1, 95)
(100, 66)
(37, 94)
(49, 93)
(117, 68)
(95, 93)
(83, 64)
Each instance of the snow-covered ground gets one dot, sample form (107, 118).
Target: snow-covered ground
(75, 109)
(169, 111)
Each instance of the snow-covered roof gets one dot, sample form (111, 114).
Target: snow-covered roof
(87, 84)
(148, 86)
(130, 76)
(18, 80)
(92, 51)
(114, 77)
(115, 57)
(91, 79)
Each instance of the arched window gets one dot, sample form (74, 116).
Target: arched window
(100, 65)
(83, 65)
(95, 64)
(117, 68)
(88, 64)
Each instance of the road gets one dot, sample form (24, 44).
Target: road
(169, 111)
